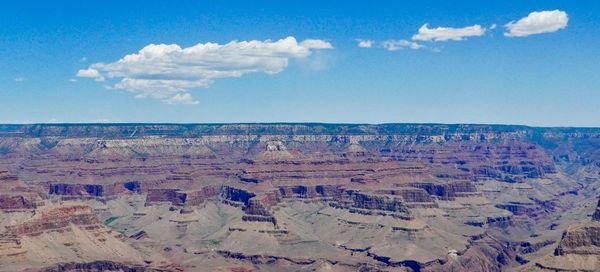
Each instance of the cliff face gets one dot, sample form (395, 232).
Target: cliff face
(6, 177)
(578, 248)
(278, 153)
(69, 232)
(76, 189)
(180, 198)
(16, 202)
(596, 215)
(48, 219)
(15, 195)
(581, 239)
(415, 196)
(357, 201)
(102, 266)
(287, 152)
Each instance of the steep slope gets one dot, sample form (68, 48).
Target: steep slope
(61, 233)
(303, 196)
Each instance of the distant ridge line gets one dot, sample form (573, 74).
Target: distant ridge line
(133, 130)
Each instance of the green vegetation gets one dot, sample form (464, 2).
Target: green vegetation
(47, 144)
(110, 220)
(214, 242)
(139, 154)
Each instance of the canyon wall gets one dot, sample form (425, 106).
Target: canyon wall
(409, 196)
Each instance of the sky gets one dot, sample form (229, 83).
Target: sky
(496, 62)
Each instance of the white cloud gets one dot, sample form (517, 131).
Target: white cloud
(316, 44)
(166, 72)
(393, 45)
(492, 27)
(72, 80)
(447, 33)
(91, 73)
(365, 43)
(181, 98)
(537, 23)
(20, 79)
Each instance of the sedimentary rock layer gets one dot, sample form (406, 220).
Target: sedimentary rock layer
(307, 196)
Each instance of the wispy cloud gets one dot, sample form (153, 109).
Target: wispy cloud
(394, 45)
(365, 43)
(436, 49)
(59, 121)
(101, 120)
(7, 121)
(447, 33)
(167, 72)
(537, 23)
(181, 98)
(20, 79)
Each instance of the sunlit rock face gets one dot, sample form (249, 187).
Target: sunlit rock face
(578, 248)
(239, 197)
(58, 233)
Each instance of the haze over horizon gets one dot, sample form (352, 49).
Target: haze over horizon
(106, 123)
(531, 63)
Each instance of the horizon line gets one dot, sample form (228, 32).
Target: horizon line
(288, 123)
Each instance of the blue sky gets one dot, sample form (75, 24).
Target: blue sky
(475, 76)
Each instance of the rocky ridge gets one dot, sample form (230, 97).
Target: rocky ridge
(413, 197)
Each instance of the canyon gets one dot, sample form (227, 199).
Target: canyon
(298, 197)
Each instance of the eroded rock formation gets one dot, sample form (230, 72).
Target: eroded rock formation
(302, 196)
